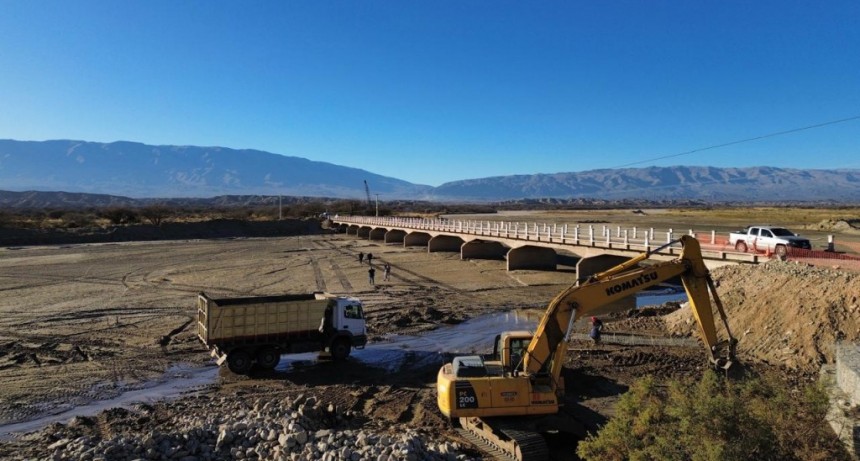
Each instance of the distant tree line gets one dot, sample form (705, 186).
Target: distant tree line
(158, 213)
(114, 211)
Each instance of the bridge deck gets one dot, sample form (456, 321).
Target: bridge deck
(581, 240)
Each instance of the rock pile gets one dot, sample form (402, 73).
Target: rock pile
(300, 428)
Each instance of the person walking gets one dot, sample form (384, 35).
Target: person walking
(596, 328)
(369, 259)
(360, 257)
(386, 271)
(371, 273)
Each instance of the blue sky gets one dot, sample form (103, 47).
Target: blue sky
(437, 91)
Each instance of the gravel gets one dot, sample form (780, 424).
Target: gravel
(228, 428)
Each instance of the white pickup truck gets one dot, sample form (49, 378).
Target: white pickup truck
(768, 239)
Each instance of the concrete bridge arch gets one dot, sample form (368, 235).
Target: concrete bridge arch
(414, 239)
(444, 243)
(395, 236)
(377, 233)
(483, 249)
(532, 257)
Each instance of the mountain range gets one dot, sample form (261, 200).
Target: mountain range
(139, 170)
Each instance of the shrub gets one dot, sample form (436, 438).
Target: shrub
(119, 215)
(76, 219)
(156, 214)
(714, 420)
(56, 214)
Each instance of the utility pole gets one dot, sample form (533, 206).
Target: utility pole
(377, 205)
(280, 210)
(367, 192)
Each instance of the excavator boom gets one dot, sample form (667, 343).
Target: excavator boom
(603, 289)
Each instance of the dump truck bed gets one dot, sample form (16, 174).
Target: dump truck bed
(250, 319)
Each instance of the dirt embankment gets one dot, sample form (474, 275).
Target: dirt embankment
(848, 226)
(217, 228)
(784, 313)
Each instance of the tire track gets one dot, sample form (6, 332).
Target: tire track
(341, 277)
(416, 277)
(338, 272)
(318, 276)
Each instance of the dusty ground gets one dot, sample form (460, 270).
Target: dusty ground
(86, 322)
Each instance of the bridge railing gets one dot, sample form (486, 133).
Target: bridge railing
(596, 235)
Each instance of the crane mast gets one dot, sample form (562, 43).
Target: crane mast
(367, 192)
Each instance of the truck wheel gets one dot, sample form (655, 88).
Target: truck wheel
(239, 361)
(741, 246)
(339, 349)
(268, 357)
(781, 252)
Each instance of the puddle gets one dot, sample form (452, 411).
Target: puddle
(176, 381)
(396, 352)
(666, 293)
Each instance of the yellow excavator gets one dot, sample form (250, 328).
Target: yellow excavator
(506, 399)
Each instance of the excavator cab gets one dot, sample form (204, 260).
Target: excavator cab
(509, 350)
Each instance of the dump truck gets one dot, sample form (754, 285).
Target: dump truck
(254, 331)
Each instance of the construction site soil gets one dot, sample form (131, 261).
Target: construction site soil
(89, 323)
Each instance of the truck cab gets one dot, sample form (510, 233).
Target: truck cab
(345, 315)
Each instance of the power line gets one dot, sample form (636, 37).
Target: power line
(717, 146)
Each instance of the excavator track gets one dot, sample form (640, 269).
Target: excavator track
(503, 439)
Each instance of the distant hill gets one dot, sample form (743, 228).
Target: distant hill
(140, 170)
(127, 169)
(756, 184)
(76, 200)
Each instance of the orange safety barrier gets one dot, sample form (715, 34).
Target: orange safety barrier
(800, 253)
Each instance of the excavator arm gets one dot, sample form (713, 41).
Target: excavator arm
(545, 352)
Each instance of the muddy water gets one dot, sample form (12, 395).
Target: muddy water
(176, 381)
(663, 293)
(393, 353)
(658, 298)
(397, 352)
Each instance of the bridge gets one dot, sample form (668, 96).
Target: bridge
(532, 245)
